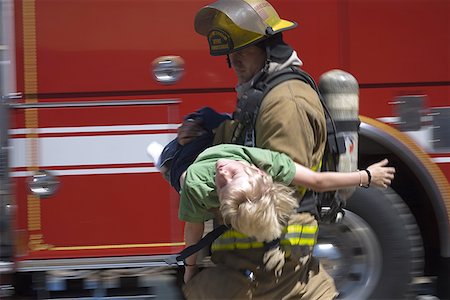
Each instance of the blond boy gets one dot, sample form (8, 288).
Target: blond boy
(248, 188)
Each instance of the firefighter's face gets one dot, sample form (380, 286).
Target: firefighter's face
(231, 173)
(247, 62)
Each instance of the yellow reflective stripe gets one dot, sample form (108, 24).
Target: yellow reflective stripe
(297, 228)
(294, 241)
(233, 239)
(317, 167)
(299, 241)
(233, 246)
(294, 234)
(233, 234)
(297, 234)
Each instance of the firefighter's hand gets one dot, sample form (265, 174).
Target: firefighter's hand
(189, 272)
(189, 130)
(382, 176)
(274, 260)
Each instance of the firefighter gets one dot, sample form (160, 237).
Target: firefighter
(289, 119)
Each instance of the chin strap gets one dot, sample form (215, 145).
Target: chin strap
(228, 61)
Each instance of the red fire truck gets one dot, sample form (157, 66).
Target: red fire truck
(87, 85)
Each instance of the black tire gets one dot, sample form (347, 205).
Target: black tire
(377, 247)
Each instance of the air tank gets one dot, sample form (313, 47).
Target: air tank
(340, 91)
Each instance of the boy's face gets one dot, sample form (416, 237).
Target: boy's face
(231, 173)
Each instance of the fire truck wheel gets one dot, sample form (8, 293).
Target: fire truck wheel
(376, 250)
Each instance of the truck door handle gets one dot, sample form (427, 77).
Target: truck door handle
(168, 69)
(43, 183)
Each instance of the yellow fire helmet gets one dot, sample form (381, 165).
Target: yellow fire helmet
(231, 25)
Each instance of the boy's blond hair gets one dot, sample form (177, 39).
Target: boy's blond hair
(260, 209)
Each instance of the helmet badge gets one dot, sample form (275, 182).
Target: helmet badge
(220, 42)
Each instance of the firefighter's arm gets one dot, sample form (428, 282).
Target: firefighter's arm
(193, 232)
(380, 176)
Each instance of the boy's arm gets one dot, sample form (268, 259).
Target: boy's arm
(328, 181)
(193, 232)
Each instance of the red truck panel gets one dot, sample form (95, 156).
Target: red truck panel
(98, 50)
(398, 42)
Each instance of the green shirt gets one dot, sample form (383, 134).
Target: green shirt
(198, 196)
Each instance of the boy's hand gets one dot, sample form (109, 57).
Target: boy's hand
(382, 176)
